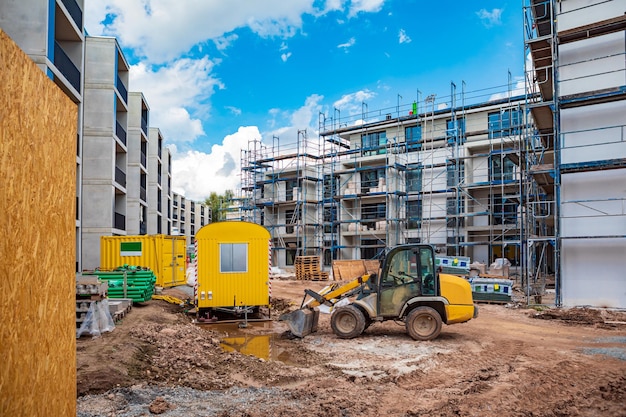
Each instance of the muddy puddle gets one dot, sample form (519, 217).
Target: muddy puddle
(258, 339)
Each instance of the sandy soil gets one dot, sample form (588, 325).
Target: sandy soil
(508, 362)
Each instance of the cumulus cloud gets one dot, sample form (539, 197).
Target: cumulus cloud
(352, 104)
(490, 18)
(196, 174)
(165, 29)
(403, 37)
(173, 92)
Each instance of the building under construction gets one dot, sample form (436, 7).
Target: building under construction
(535, 176)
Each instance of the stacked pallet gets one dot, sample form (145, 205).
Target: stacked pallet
(89, 290)
(308, 268)
(92, 306)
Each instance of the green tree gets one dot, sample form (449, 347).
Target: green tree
(219, 204)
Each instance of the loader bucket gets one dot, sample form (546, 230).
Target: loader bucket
(302, 322)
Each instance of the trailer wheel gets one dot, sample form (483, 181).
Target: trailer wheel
(347, 322)
(423, 323)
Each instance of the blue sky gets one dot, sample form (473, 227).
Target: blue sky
(219, 73)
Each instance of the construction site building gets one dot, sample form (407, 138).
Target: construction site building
(533, 175)
(575, 157)
(447, 174)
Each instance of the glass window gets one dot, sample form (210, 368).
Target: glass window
(414, 213)
(369, 179)
(504, 123)
(455, 133)
(374, 211)
(501, 168)
(414, 179)
(413, 135)
(233, 257)
(454, 178)
(374, 143)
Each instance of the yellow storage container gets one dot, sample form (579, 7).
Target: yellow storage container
(232, 266)
(163, 254)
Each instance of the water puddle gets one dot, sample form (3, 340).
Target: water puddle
(258, 339)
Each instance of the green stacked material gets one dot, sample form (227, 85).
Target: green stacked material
(126, 281)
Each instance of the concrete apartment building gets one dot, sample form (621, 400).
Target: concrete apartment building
(51, 34)
(123, 180)
(106, 141)
(447, 177)
(188, 216)
(576, 90)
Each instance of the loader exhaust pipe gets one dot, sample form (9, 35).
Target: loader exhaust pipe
(301, 322)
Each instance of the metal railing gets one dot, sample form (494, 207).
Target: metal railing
(122, 89)
(120, 132)
(119, 221)
(120, 177)
(75, 12)
(64, 64)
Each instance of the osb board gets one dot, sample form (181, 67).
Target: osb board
(345, 270)
(37, 281)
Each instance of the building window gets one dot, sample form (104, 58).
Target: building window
(501, 168)
(504, 209)
(505, 123)
(455, 132)
(372, 248)
(414, 214)
(454, 210)
(413, 137)
(369, 179)
(374, 143)
(455, 173)
(331, 183)
(289, 186)
(330, 220)
(414, 179)
(233, 257)
(374, 211)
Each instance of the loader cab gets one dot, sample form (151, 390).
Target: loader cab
(408, 271)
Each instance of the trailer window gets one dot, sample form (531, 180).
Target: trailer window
(233, 257)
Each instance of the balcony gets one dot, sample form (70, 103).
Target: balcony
(66, 66)
(120, 132)
(144, 125)
(159, 205)
(119, 222)
(144, 160)
(75, 12)
(159, 179)
(121, 89)
(142, 193)
(143, 228)
(120, 177)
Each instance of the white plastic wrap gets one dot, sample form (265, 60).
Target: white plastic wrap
(98, 320)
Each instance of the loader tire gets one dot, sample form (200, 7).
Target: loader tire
(347, 322)
(423, 323)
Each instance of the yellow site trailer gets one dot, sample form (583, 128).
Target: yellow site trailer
(163, 254)
(232, 268)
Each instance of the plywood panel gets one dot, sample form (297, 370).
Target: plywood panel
(37, 280)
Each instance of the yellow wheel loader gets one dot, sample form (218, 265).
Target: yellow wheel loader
(408, 288)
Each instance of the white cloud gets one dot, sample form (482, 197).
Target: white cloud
(369, 6)
(403, 37)
(172, 92)
(517, 88)
(285, 57)
(166, 29)
(351, 104)
(234, 110)
(348, 44)
(197, 174)
(490, 18)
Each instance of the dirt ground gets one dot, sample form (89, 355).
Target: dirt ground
(510, 361)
